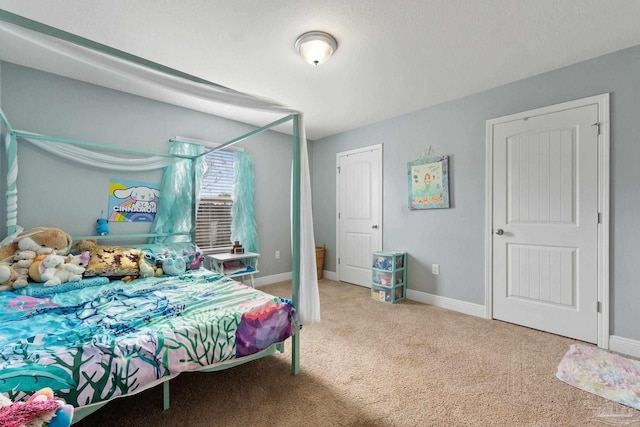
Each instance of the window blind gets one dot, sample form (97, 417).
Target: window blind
(213, 220)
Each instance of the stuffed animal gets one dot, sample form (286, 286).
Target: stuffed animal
(83, 245)
(149, 264)
(54, 270)
(7, 277)
(34, 269)
(167, 262)
(146, 269)
(41, 240)
(49, 266)
(20, 264)
(41, 409)
(174, 266)
(77, 262)
(65, 274)
(102, 228)
(194, 261)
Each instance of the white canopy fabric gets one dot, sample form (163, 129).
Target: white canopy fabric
(208, 97)
(96, 159)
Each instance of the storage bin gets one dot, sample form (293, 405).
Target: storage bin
(381, 293)
(389, 276)
(381, 278)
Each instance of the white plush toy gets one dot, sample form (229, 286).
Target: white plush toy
(49, 267)
(70, 271)
(78, 263)
(63, 275)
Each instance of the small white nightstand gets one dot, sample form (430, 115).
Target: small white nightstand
(231, 265)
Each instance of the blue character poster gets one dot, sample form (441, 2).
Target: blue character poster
(132, 201)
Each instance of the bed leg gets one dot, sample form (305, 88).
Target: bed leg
(295, 354)
(165, 395)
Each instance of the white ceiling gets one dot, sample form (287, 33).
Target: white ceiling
(394, 57)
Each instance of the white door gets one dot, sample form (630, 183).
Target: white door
(359, 227)
(545, 222)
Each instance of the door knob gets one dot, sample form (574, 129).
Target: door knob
(499, 231)
(374, 226)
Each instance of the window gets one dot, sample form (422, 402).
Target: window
(213, 221)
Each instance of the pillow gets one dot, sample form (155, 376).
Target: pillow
(113, 262)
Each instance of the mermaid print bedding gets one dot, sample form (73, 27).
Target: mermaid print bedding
(100, 342)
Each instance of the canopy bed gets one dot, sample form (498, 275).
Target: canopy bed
(133, 342)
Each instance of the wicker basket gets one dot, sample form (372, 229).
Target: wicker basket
(319, 260)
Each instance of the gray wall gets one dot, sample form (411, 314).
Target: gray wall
(454, 238)
(59, 193)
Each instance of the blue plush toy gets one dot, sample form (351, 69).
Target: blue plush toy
(174, 266)
(102, 228)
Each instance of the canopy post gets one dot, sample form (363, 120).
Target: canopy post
(11, 146)
(295, 242)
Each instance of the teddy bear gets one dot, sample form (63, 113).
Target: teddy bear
(7, 277)
(40, 240)
(22, 260)
(83, 245)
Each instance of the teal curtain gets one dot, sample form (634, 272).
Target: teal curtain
(243, 222)
(177, 194)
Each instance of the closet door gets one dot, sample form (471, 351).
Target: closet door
(545, 222)
(359, 216)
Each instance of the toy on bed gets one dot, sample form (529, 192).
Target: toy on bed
(148, 266)
(196, 259)
(55, 269)
(19, 251)
(80, 261)
(168, 261)
(41, 409)
(83, 246)
(7, 277)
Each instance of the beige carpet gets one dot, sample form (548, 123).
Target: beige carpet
(372, 364)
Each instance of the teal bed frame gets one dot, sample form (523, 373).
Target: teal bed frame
(12, 137)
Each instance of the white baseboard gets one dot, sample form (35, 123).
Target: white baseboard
(616, 343)
(331, 275)
(624, 345)
(274, 278)
(448, 303)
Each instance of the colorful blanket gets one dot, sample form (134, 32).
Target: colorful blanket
(603, 373)
(97, 343)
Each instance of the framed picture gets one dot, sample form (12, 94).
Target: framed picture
(132, 201)
(429, 183)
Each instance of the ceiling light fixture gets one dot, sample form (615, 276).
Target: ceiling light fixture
(316, 47)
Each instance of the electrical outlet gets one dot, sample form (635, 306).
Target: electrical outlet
(435, 269)
(277, 254)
